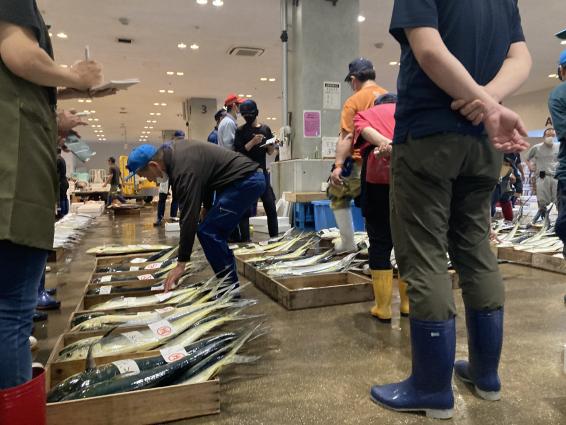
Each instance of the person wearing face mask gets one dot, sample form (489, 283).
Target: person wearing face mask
(228, 125)
(542, 160)
(345, 183)
(250, 141)
(194, 170)
(557, 107)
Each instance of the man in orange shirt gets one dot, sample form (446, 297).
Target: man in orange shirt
(345, 179)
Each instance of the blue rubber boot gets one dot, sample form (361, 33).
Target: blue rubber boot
(429, 388)
(485, 338)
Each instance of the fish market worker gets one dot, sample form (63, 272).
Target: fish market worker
(29, 78)
(195, 170)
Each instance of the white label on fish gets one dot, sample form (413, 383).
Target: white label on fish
(172, 354)
(134, 268)
(135, 337)
(105, 279)
(127, 367)
(138, 260)
(164, 297)
(161, 329)
(164, 310)
(145, 277)
(153, 266)
(105, 290)
(129, 301)
(158, 287)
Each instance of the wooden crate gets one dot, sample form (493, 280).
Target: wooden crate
(519, 257)
(296, 293)
(549, 262)
(304, 196)
(56, 255)
(109, 260)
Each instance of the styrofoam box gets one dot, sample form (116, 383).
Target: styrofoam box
(264, 229)
(262, 221)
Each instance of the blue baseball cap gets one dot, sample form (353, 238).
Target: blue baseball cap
(561, 34)
(139, 158)
(357, 66)
(562, 60)
(179, 133)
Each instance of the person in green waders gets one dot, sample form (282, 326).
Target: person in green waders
(29, 78)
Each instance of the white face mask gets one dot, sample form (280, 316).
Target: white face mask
(549, 141)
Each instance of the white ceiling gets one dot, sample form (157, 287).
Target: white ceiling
(158, 26)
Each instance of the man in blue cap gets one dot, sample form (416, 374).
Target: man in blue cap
(195, 170)
(459, 60)
(557, 107)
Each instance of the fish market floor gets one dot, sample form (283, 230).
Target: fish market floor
(318, 364)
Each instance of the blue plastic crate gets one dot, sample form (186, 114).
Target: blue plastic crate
(324, 217)
(304, 215)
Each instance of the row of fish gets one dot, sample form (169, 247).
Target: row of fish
(126, 249)
(69, 230)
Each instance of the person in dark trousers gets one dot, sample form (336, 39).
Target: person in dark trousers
(114, 179)
(195, 170)
(459, 60)
(505, 188)
(162, 202)
(28, 190)
(63, 203)
(250, 141)
(373, 132)
(218, 116)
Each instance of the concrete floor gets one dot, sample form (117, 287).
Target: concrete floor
(318, 364)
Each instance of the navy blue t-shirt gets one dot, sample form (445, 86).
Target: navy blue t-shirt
(477, 32)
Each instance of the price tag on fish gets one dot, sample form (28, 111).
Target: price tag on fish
(138, 260)
(172, 354)
(105, 290)
(135, 337)
(158, 287)
(129, 301)
(153, 266)
(164, 310)
(161, 329)
(127, 367)
(134, 268)
(105, 279)
(145, 277)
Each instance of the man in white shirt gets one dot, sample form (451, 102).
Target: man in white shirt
(543, 160)
(228, 126)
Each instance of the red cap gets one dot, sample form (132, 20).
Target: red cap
(232, 98)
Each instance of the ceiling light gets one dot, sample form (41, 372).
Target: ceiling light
(163, 104)
(194, 46)
(98, 126)
(272, 80)
(180, 74)
(89, 119)
(104, 140)
(182, 46)
(96, 119)
(241, 95)
(155, 122)
(50, 34)
(203, 2)
(156, 104)
(170, 73)
(152, 113)
(217, 3)
(249, 96)
(393, 63)
(62, 35)
(361, 18)
(161, 91)
(93, 112)
(63, 66)
(81, 100)
(170, 91)
(268, 118)
(146, 126)
(563, 42)
(88, 101)
(263, 79)
(158, 114)
(148, 120)
(274, 119)
(151, 127)
(553, 76)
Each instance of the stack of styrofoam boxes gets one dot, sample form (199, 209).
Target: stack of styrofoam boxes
(260, 223)
(92, 208)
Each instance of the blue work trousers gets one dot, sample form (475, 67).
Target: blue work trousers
(22, 268)
(231, 205)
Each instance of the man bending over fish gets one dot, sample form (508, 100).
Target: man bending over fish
(195, 170)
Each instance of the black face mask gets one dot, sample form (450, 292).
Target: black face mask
(249, 119)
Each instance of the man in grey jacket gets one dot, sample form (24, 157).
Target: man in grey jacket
(228, 125)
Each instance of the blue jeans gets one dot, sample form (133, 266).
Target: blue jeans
(231, 205)
(22, 268)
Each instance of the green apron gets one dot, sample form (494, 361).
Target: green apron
(28, 162)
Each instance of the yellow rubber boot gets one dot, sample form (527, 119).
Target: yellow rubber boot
(404, 306)
(382, 289)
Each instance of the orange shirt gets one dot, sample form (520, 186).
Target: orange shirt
(362, 100)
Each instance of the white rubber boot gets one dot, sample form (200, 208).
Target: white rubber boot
(346, 225)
